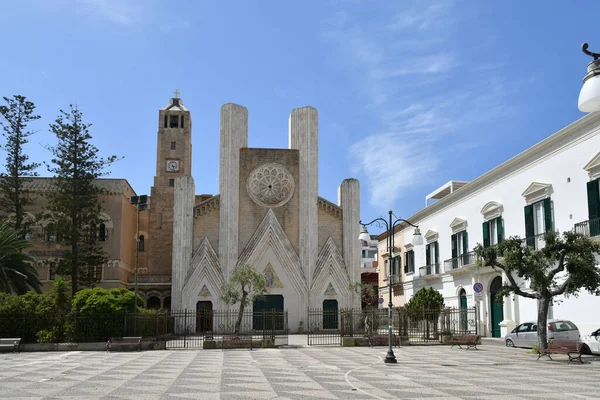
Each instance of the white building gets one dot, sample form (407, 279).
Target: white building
(545, 187)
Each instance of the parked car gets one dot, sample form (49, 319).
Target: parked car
(525, 334)
(591, 343)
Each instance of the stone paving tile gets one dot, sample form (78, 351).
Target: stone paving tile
(297, 373)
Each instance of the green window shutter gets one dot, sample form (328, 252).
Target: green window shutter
(500, 229)
(437, 252)
(411, 256)
(548, 214)
(529, 229)
(486, 234)
(454, 246)
(465, 242)
(405, 262)
(427, 254)
(593, 199)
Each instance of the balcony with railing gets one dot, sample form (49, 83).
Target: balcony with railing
(429, 271)
(589, 228)
(456, 263)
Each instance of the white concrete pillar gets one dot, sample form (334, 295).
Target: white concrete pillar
(234, 136)
(304, 136)
(349, 201)
(183, 235)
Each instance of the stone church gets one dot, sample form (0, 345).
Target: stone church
(267, 214)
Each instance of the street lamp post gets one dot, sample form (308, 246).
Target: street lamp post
(141, 204)
(589, 97)
(417, 240)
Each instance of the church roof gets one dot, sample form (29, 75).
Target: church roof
(175, 105)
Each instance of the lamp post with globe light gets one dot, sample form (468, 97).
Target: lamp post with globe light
(417, 240)
(589, 97)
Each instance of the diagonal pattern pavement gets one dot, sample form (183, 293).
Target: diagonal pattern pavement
(432, 372)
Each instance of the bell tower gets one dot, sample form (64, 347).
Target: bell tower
(173, 158)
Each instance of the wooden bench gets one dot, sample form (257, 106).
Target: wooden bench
(10, 343)
(124, 342)
(466, 339)
(236, 340)
(563, 347)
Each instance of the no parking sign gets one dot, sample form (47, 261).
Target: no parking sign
(478, 287)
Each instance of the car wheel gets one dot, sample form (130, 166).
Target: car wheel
(509, 343)
(585, 349)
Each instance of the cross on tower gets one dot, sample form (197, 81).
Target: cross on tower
(176, 93)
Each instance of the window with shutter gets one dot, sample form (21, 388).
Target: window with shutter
(593, 195)
(486, 234)
(500, 229)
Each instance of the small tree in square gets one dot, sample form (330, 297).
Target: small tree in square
(425, 305)
(244, 286)
(566, 265)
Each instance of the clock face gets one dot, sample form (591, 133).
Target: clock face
(173, 166)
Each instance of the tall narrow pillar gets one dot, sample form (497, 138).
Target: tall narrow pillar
(349, 201)
(304, 136)
(183, 235)
(234, 136)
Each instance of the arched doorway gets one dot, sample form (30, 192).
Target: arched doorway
(330, 314)
(167, 303)
(497, 309)
(204, 316)
(153, 303)
(464, 323)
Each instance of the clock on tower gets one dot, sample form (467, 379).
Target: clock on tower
(172, 165)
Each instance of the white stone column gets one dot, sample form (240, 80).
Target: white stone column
(234, 136)
(508, 322)
(304, 136)
(349, 201)
(183, 235)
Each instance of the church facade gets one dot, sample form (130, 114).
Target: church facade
(268, 214)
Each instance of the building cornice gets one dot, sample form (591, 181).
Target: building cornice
(584, 127)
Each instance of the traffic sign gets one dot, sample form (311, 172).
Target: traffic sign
(478, 297)
(380, 300)
(478, 287)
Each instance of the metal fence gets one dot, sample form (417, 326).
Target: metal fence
(187, 329)
(416, 326)
(179, 329)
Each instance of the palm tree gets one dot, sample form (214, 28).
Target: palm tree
(17, 272)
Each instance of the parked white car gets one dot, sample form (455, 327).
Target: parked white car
(525, 334)
(591, 343)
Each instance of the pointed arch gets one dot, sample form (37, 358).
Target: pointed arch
(270, 234)
(205, 270)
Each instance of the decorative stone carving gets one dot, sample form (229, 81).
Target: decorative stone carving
(271, 278)
(204, 292)
(330, 291)
(270, 185)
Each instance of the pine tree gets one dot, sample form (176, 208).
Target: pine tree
(14, 196)
(75, 202)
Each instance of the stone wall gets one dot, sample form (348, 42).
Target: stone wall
(251, 214)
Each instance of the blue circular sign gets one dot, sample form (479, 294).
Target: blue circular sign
(478, 287)
(380, 300)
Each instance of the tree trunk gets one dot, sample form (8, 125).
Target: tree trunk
(238, 323)
(542, 322)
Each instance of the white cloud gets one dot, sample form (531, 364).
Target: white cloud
(122, 12)
(405, 65)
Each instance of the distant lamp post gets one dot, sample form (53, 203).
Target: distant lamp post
(417, 240)
(141, 204)
(589, 97)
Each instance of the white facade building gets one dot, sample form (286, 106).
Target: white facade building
(368, 254)
(545, 187)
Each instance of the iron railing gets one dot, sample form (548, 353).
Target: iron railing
(186, 328)
(430, 269)
(460, 261)
(409, 326)
(590, 227)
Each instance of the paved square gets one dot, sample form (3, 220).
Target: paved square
(433, 372)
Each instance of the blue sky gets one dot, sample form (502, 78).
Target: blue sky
(410, 94)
